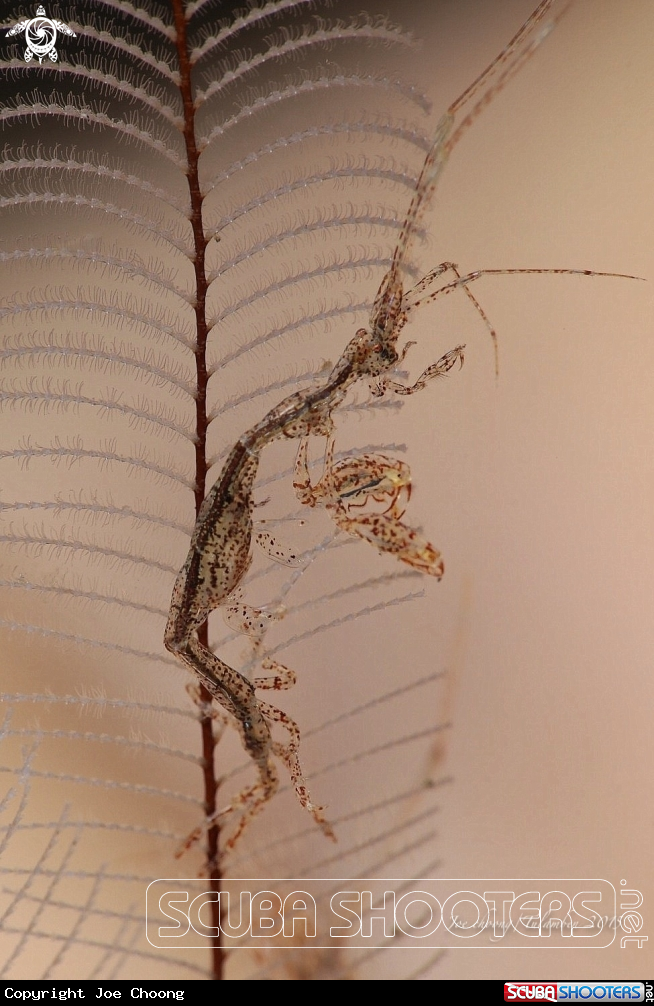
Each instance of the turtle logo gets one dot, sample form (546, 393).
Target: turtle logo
(41, 35)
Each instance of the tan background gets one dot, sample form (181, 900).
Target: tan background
(546, 606)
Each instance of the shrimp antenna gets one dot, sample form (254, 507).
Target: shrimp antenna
(447, 137)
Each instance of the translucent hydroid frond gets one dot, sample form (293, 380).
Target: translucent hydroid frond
(334, 174)
(141, 14)
(255, 16)
(319, 223)
(97, 701)
(396, 132)
(122, 47)
(100, 738)
(72, 109)
(105, 510)
(39, 160)
(293, 42)
(61, 546)
(109, 784)
(364, 265)
(291, 327)
(85, 641)
(81, 75)
(42, 397)
(96, 354)
(66, 199)
(105, 454)
(85, 595)
(266, 101)
(131, 266)
(112, 307)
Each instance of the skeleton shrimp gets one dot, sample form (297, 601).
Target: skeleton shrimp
(219, 557)
(219, 553)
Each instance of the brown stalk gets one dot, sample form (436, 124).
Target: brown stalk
(200, 246)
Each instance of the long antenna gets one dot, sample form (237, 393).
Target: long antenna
(447, 137)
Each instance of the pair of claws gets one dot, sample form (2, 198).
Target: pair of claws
(348, 491)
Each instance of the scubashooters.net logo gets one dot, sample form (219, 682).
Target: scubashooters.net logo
(40, 35)
(574, 992)
(552, 914)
